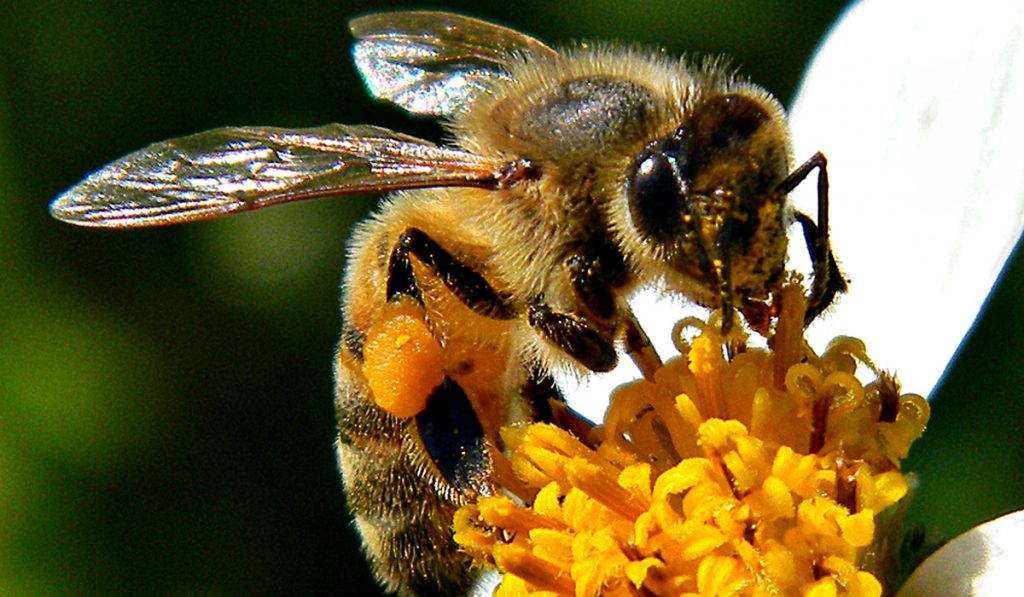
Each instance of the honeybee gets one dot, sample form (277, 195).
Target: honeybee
(574, 178)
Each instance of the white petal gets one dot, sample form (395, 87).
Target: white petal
(919, 107)
(486, 585)
(983, 561)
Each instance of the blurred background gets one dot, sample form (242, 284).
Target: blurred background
(166, 419)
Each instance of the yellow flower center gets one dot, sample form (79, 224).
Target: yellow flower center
(735, 471)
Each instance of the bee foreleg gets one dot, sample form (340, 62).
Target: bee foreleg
(828, 280)
(575, 336)
(465, 283)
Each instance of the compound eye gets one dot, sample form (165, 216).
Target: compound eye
(656, 195)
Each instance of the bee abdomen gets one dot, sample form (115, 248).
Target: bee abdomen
(402, 516)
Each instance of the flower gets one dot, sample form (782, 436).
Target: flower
(766, 472)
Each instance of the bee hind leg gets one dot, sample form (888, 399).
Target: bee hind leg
(465, 283)
(452, 435)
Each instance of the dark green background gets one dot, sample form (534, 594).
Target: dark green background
(166, 421)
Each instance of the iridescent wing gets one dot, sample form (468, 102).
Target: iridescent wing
(435, 63)
(229, 170)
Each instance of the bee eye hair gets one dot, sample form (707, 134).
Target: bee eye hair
(656, 194)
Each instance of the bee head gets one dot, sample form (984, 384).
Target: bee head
(704, 197)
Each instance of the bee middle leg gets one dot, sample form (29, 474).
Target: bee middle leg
(596, 271)
(574, 335)
(828, 280)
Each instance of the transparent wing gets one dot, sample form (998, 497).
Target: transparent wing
(228, 170)
(433, 63)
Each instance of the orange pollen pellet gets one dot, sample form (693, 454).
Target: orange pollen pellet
(403, 362)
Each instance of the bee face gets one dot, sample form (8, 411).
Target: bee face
(704, 196)
(575, 178)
